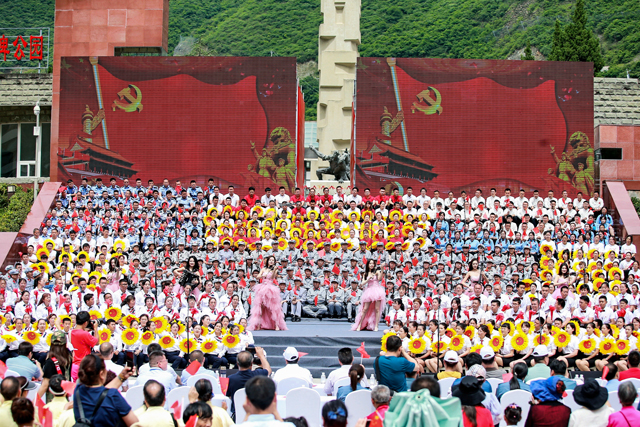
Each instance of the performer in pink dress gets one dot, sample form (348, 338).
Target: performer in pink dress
(266, 310)
(372, 299)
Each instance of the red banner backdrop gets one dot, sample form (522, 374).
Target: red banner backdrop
(452, 124)
(231, 119)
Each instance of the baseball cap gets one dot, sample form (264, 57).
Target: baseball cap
(451, 357)
(541, 351)
(487, 353)
(290, 354)
(59, 337)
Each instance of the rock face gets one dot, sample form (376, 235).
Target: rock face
(616, 101)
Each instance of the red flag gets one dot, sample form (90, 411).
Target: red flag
(177, 410)
(363, 352)
(336, 269)
(193, 367)
(605, 372)
(42, 412)
(224, 384)
(3, 369)
(193, 421)
(315, 300)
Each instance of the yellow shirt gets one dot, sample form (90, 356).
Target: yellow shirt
(449, 374)
(156, 416)
(5, 414)
(66, 419)
(56, 406)
(220, 417)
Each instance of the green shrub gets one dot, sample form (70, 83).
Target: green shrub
(14, 210)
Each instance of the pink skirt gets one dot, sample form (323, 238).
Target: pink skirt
(266, 308)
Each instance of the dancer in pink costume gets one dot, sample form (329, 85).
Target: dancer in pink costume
(372, 299)
(266, 310)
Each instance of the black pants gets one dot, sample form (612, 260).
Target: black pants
(177, 361)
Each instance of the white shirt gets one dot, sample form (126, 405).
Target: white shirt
(282, 198)
(266, 420)
(293, 370)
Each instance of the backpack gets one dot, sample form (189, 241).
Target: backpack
(84, 421)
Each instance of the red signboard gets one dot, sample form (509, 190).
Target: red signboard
(460, 124)
(20, 45)
(230, 119)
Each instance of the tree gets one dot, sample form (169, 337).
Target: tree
(528, 55)
(576, 42)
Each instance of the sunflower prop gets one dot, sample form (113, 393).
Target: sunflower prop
(541, 340)
(439, 346)
(561, 339)
(209, 346)
(450, 332)
(613, 271)
(512, 330)
(188, 345)
(161, 324)
(496, 343)
(456, 343)
(113, 313)
(476, 348)
(8, 338)
(130, 336)
(622, 347)
(48, 339)
(32, 337)
(230, 341)
(519, 342)
(417, 345)
(147, 338)
(95, 315)
(576, 324)
(607, 346)
(166, 342)
(587, 346)
(104, 335)
(470, 332)
(384, 340)
(615, 331)
(128, 319)
(181, 328)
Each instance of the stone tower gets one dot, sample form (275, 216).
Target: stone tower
(338, 43)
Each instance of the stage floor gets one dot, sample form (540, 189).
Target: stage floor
(320, 328)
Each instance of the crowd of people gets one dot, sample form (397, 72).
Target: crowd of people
(151, 278)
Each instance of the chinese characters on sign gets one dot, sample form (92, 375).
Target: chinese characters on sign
(35, 46)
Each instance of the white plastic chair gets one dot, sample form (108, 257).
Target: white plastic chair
(520, 398)
(215, 383)
(217, 400)
(358, 406)
(10, 373)
(289, 384)
(135, 397)
(239, 398)
(304, 402)
(494, 383)
(614, 401)
(445, 387)
(601, 382)
(569, 401)
(180, 394)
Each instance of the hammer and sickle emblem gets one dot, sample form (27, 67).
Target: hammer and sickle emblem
(130, 103)
(432, 106)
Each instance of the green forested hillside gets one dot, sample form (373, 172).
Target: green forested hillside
(410, 28)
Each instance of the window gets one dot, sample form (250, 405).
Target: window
(609, 154)
(19, 151)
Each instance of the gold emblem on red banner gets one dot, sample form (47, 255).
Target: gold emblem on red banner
(426, 103)
(131, 103)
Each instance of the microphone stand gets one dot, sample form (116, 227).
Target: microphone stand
(438, 341)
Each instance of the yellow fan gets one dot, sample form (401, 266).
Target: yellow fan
(496, 343)
(561, 339)
(230, 341)
(104, 335)
(113, 313)
(456, 343)
(519, 342)
(607, 346)
(417, 345)
(32, 337)
(147, 338)
(130, 336)
(166, 342)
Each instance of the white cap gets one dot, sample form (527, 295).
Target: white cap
(290, 354)
(541, 351)
(451, 356)
(487, 353)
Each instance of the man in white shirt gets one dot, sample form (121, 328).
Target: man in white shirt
(292, 370)
(596, 202)
(354, 196)
(235, 199)
(282, 197)
(261, 390)
(268, 197)
(409, 197)
(548, 199)
(422, 198)
(158, 371)
(345, 358)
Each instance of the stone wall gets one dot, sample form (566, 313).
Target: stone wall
(20, 90)
(616, 101)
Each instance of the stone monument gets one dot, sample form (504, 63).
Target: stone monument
(339, 38)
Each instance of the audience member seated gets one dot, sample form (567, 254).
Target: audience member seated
(628, 415)
(516, 382)
(380, 398)
(334, 414)
(152, 413)
(246, 371)
(471, 395)
(202, 391)
(24, 364)
(593, 398)
(262, 404)
(158, 371)
(394, 364)
(292, 369)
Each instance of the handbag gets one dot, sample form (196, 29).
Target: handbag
(84, 421)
